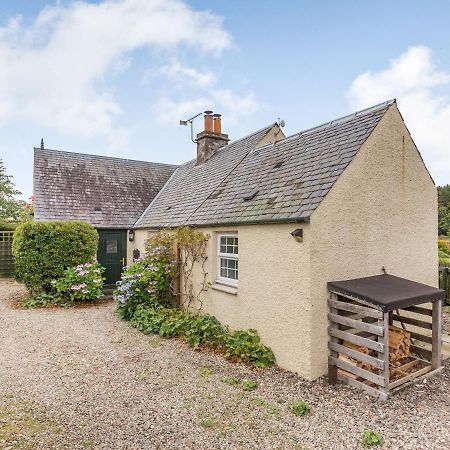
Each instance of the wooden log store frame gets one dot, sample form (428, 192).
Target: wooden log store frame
(361, 312)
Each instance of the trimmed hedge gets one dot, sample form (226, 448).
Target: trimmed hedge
(44, 250)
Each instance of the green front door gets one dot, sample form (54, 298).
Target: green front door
(112, 250)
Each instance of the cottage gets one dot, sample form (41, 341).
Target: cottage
(350, 198)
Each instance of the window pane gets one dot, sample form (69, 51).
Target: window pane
(229, 268)
(111, 246)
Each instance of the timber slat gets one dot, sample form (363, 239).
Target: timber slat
(421, 351)
(357, 355)
(377, 379)
(354, 339)
(351, 307)
(357, 324)
(411, 321)
(409, 377)
(420, 310)
(357, 384)
(421, 337)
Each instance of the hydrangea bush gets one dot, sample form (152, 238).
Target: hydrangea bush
(148, 280)
(83, 282)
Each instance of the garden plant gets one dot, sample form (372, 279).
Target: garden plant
(147, 298)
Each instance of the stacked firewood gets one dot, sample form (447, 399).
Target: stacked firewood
(399, 344)
(399, 348)
(353, 361)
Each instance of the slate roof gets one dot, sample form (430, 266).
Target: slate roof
(285, 181)
(69, 186)
(191, 185)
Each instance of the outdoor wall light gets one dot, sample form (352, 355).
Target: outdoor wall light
(298, 234)
(131, 235)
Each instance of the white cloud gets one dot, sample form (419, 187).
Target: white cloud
(52, 72)
(183, 75)
(415, 80)
(231, 105)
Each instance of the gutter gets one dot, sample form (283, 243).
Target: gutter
(229, 224)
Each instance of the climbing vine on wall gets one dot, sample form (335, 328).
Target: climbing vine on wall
(191, 280)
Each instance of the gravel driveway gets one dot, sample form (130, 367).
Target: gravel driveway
(81, 378)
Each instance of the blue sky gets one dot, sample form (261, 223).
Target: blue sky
(115, 77)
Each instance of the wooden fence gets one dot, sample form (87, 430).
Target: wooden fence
(6, 258)
(444, 281)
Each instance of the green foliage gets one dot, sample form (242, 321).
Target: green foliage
(10, 208)
(371, 438)
(232, 381)
(207, 423)
(44, 250)
(148, 281)
(246, 346)
(81, 283)
(300, 408)
(43, 301)
(144, 297)
(443, 246)
(444, 253)
(444, 210)
(202, 331)
(249, 385)
(206, 372)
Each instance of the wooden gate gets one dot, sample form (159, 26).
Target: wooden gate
(6, 258)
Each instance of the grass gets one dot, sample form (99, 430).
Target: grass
(206, 372)
(208, 423)
(22, 425)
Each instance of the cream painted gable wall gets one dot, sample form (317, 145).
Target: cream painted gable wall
(381, 212)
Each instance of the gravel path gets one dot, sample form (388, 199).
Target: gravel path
(81, 378)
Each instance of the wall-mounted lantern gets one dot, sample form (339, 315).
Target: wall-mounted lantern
(298, 234)
(131, 235)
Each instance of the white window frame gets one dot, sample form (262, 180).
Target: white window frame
(231, 256)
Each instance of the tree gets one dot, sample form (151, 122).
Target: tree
(10, 208)
(444, 209)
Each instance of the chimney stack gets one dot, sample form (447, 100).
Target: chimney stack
(211, 139)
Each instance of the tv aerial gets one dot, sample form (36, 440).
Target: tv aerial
(191, 121)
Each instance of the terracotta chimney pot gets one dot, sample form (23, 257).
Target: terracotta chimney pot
(217, 123)
(208, 121)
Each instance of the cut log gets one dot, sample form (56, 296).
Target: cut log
(399, 344)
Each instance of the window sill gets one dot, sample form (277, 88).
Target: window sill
(224, 288)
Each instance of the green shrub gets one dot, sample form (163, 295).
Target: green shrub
(44, 250)
(371, 438)
(81, 283)
(246, 346)
(444, 259)
(300, 408)
(200, 330)
(147, 281)
(443, 246)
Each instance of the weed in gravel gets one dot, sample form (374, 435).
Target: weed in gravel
(300, 408)
(206, 372)
(232, 381)
(371, 438)
(259, 402)
(87, 443)
(249, 385)
(207, 423)
(155, 341)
